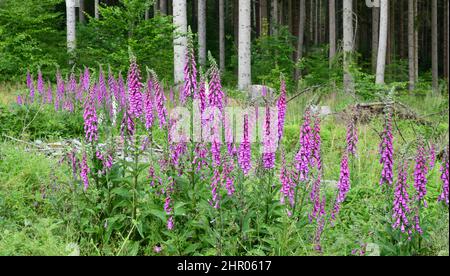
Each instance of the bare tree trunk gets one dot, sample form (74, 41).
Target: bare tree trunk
(221, 35)
(81, 12)
(244, 63)
(311, 21)
(71, 35)
(316, 22)
(301, 36)
(348, 45)
(289, 16)
(416, 44)
(411, 44)
(180, 41)
(381, 59)
(332, 31)
(375, 36)
(446, 60)
(96, 13)
(274, 17)
(147, 14)
(163, 7)
(263, 15)
(434, 45)
(155, 8)
(202, 32)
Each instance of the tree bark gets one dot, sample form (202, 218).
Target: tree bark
(96, 12)
(81, 16)
(434, 45)
(375, 36)
(381, 59)
(332, 31)
(274, 17)
(416, 43)
(163, 7)
(301, 36)
(244, 65)
(180, 41)
(411, 46)
(71, 35)
(221, 35)
(446, 60)
(263, 15)
(348, 36)
(202, 32)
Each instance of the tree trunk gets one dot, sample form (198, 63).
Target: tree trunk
(301, 36)
(163, 7)
(375, 36)
(244, 65)
(434, 45)
(446, 61)
(96, 12)
(222, 35)
(180, 41)
(316, 22)
(411, 46)
(381, 59)
(147, 14)
(263, 15)
(155, 8)
(202, 32)
(416, 43)
(348, 35)
(332, 31)
(81, 12)
(71, 35)
(274, 17)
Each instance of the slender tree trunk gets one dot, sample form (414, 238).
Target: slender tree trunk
(71, 35)
(221, 35)
(411, 46)
(416, 43)
(311, 22)
(274, 17)
(301, 36)
(263, 14)
(155, 8)
(316, 22)
(446, 60)
(289, 16)
(434, 45)
(375, 36)
(96, 12)
(81, 12)
(244, 63)
(381, 60)
(332, 31)
(348, 37)
(236, 23)
(180, 41)
(163, 7)
(202, 32)
(147, 14)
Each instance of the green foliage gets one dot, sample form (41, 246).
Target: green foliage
(31, 36)
(122, 28)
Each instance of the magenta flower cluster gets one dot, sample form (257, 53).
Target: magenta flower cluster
(387, 152)
(401, 209)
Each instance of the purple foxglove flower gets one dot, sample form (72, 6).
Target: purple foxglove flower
(343, 186)
(201, 153)
(352, 136)
(30, 85)
(244, 153)
(320, 225)
(432, 156)
(281, 104)
(40, 83)
(215, 186)
(201, 95)
(268, 155)
(84, 174)
(417, 227)
(113, 86)
(304, 154)
(123, 96)
(215, 152)
(227, 177)
(90, 117)
(444, 177)
(127, 127)
(134, 89)
(387, 152)
(49, 96)
(190, 76)
(287, 184)
(420, 174)
(315, 198)
(101, 88)
(79, 90)
(316, 159)
(215, 88)
(86, 80)
(60, 90)
(170, 223)
(72, 83)
(160, 100)
(401, 199)
(148, 105)
(157, 249)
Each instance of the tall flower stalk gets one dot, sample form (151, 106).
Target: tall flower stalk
(387, 152)
(401, 208)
